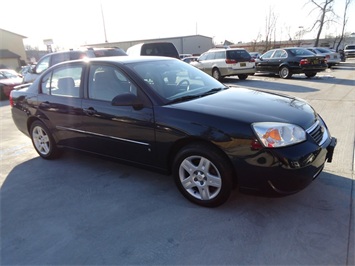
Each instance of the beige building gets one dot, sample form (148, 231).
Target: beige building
(192, 44)
(12, 50)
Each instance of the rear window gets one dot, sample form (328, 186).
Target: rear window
(239, 55)
(160, 49)
(352, 47)
(300, 52)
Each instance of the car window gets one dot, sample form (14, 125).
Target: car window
(210, 56)
(109, 52)
(267, 54)
(43, 64)
(300, 52)
(60, 57)
(239, 55)
(77, 55)
(160, 49)
(280, 54)
(64, 81)
(323, 50)
(174, 79)
(220, 55)
(202, 57)
(107, 82)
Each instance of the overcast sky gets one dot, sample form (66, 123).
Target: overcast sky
(71, 23)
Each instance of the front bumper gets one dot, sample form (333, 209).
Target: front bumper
(286, 170)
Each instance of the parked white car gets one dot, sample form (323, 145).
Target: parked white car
(223, 62)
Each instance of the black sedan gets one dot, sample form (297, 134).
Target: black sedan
(288, 61)
(169, 116)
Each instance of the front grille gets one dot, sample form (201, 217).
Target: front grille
(318, 132)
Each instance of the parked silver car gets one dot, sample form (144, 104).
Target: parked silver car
(223, 62)
(349, 51)
(333, 58)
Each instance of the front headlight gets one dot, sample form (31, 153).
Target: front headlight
(273, 135)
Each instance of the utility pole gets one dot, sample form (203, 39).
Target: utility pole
(103, 21)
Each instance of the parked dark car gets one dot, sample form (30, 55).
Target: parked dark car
(167, 115)
(288, 61)
(51, 59)
(8, 80)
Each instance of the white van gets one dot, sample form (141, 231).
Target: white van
(154, 49)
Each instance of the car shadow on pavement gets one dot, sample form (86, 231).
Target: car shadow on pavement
(81, 209)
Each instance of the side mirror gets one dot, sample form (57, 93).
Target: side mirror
(128, 99)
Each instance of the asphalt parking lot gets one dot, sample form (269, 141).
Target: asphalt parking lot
(85, 210)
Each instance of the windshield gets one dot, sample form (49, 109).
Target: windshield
(175, 80)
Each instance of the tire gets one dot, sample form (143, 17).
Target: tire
(43, 141)
(242, 76)
(285, 72)
(310, 75)
(2, 94)
(208, 187)
(216, 74)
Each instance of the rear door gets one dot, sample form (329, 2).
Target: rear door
(263, 63)
(59, 102)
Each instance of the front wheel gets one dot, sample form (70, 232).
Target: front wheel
(203, 175)
(285, 72)
(42, 141)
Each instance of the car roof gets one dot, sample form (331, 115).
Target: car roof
(122, 59)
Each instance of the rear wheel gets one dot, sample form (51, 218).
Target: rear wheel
(310, 75)
(242, 76)
(216, 74)
(285, 72)
(2, 93)
(203, 175)
(42, 141)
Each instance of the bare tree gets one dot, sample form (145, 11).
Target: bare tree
(326, 14)
(345, 21)
(270, 27)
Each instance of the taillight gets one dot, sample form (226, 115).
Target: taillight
(252, 60)
(327, 57)
(11, 100)
(304, 62)
(231, 61)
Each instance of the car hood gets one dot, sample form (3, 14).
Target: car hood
(11, 82)
(249, 106)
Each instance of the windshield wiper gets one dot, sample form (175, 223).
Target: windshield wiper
(191, 97)
(185, 98)
(212, 91)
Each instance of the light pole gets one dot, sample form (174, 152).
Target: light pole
(300, 34)
(103, 21)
